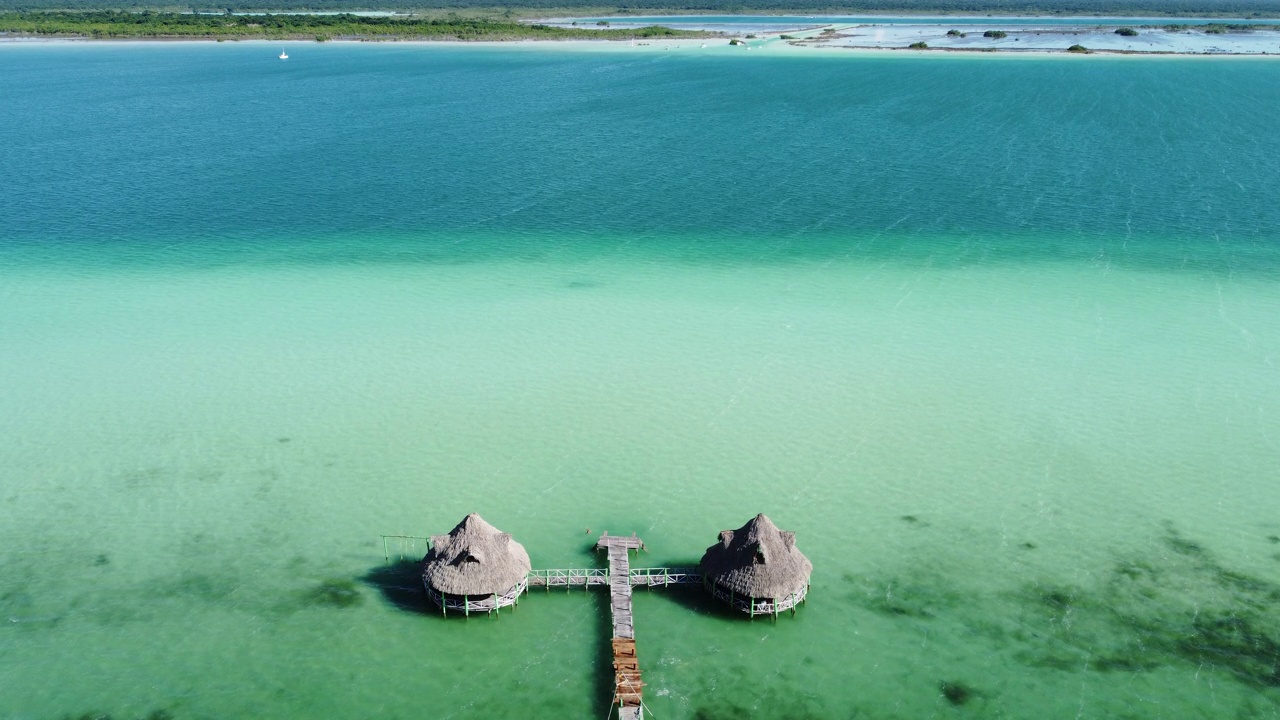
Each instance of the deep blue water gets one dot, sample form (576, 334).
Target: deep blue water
(215, 143)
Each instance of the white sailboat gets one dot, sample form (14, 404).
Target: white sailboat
(283, 54)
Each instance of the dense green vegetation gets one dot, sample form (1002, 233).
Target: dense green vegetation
(115, 24)
(1127, 32)
(997, 34)
(1145, 8)
(1078, 49)
(918, 46)
(1217, 28)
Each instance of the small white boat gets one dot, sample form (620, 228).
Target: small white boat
(283, 54)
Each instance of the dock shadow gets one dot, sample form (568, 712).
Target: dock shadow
(696, 599)
(400, 584)
(603, 657)
(700, 602)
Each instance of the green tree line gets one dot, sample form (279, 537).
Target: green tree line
(147, 24)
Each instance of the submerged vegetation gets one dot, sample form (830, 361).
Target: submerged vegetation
(1174, 607)
(956, 693)
(335, 592)
(112, 24)
(153, 715)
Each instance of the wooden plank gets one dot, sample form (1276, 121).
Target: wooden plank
(627, 677)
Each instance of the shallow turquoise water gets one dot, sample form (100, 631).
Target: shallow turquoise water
(997, 337)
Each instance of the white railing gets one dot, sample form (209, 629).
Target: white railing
(568, 577)
(599, 577)
(581, 577)
(661, 576)
(758, 606)
(467, 604)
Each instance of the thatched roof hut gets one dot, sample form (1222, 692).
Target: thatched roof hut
(757, 568)
(475, 560)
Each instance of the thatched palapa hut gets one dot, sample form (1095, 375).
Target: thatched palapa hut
(757, 568)
(475, 568)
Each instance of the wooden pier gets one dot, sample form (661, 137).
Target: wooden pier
(440, 571)
(627, 685)
(619, 577)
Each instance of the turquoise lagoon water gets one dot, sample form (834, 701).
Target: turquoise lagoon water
(997, 337)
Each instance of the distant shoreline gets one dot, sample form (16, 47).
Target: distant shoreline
(718, 46)
(528, 9)
(1109, 36)
(115, 25)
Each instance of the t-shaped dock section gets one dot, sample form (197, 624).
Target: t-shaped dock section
(626, 667)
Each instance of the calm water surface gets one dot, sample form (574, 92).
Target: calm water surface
(998, 337)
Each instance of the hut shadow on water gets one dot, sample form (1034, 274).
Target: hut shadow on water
(694, 598)
(400, 584)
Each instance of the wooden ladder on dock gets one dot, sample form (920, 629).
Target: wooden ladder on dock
(628, 686)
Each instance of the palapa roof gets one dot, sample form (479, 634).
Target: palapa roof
(757, 560)
(475, 558)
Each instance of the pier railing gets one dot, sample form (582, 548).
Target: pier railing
(568, 577)
(757, 606)
(663, 576)
(467, 604)
(588, 577)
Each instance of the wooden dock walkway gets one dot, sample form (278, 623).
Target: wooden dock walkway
(626, 667)
(620, 578)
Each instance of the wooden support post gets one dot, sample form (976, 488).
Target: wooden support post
(466, 605)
